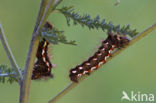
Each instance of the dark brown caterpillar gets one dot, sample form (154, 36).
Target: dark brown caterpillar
(42, 67)
(99, 57)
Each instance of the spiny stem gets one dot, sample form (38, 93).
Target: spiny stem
(134, 40)
(10, 55)
(45, 10)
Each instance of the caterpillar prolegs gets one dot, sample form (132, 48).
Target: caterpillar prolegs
(42, 67)
(99, 57)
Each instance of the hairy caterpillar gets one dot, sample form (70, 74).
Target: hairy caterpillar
(99, 57)
(42, 67)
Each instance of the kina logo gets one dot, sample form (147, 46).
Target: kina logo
(137, 97)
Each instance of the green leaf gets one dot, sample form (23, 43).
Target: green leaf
(55, 36)
(95, 23)
(7, 74)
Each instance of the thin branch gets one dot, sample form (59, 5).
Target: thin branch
(57, 2)
(134, 40)
(10, 55)
(45, 10)
(40, 14)
(46, 13)
(25, 86)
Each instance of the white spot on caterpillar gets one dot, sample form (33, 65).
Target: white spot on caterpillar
(80, 68)
(74, 71)
(99, 54)
(103, 49)
(95, 59)
(107, 43)
(87, 63)
(93, 68)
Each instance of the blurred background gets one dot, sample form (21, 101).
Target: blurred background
(132, 70)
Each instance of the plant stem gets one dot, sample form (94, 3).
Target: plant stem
(134, 40)
(10, 55)
(25, 86)
(40, 14)
(45, 10)
(45, 15)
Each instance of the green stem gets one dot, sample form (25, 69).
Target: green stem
(25, 86)
(45, 10)
(45, 15)
(41, 11)
(10, 55)
(134, 40)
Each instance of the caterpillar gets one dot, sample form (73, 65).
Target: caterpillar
(99, 57)
(42, 67)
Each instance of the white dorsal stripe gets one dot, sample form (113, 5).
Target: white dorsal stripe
(109, 51)
(45, 43)
(100, 63)
(85, 72)
(43, 52)
(44, 59)
(106, 57)
(93, 68)
(113, 46)
(47, 64)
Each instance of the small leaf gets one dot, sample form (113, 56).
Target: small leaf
(55, 36)
(85, 20)
(7, 74)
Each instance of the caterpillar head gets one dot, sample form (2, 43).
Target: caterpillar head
(73, 75)
(124, 40)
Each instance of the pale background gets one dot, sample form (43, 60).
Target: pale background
(134, 69)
